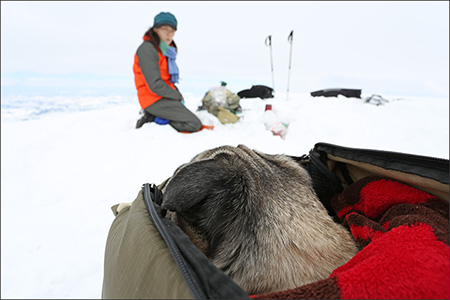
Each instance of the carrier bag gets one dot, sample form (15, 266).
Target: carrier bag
(148, 256)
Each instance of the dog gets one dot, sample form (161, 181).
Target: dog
(257, 218)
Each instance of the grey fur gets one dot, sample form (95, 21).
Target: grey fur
(257, 218)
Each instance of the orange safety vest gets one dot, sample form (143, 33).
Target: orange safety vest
(145, 95)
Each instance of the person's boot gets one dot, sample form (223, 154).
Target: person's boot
(144, 119)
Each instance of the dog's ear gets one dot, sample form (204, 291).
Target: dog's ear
(192, 184)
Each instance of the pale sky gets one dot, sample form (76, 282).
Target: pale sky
(399, 48)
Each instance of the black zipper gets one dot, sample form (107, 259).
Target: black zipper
(426, 166)
(196, 291)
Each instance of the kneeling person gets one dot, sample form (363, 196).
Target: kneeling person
(155, 74)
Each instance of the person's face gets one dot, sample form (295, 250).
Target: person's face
(165, 33)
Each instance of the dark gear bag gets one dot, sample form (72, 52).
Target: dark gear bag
(257, 91)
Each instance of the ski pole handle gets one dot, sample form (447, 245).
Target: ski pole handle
(269, 38)
(291, 36)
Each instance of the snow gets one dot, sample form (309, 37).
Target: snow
(66, 160)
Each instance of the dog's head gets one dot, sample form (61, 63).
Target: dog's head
(229, 187)
(254, 215)
(229, 173)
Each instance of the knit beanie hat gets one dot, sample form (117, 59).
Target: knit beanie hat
(165, 18)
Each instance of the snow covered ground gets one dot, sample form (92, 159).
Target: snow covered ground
(66, 160)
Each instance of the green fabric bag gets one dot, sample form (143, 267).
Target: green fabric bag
(138, 263)
(148, 256)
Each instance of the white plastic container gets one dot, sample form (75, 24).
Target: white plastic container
(272, 122)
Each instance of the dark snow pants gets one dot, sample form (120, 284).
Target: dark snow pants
(181, 118)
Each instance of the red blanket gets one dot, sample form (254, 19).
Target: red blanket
(404, 235)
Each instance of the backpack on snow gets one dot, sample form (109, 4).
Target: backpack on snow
(349, 93)
(257, 91)
(148, 256)
(222, 103)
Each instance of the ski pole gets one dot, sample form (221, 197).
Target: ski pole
(268, 42)
(290, 38)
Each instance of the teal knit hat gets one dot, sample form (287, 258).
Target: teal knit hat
(165, 18)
